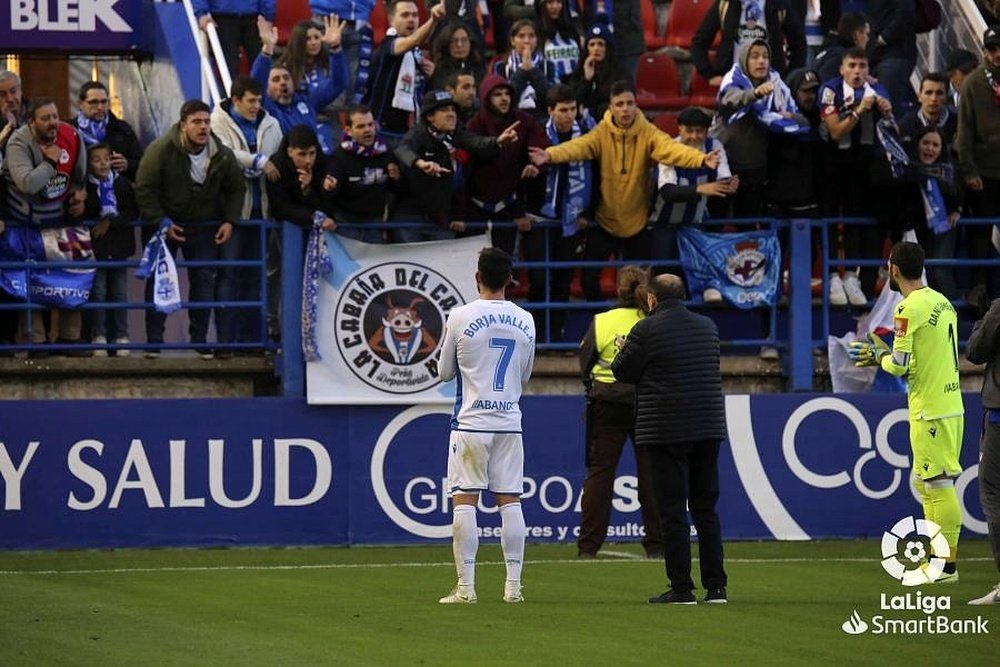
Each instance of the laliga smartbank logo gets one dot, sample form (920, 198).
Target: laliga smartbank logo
(914, 553)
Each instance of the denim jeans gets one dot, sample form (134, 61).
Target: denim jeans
(109, 287)
(204, 284)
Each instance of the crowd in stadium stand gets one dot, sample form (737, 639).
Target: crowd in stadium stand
(406, 113)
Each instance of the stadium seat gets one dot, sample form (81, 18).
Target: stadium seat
(667, 122)
(287, 14)
(379, 21)
(703, 94)
(683, 20)
(653, 41)
(658, 83)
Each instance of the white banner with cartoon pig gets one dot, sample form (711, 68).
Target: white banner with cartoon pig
(381, 316)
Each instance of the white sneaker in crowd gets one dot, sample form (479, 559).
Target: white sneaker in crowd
(852, 288)
(837, 295)
(769, 353)
(711, 295)
(123, 340)
(99, 340)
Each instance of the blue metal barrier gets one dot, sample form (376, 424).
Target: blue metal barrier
(259, 304)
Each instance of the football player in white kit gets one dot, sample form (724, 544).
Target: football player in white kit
(490, 345)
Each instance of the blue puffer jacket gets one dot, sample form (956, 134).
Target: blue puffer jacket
(263, 7)
(348, 10)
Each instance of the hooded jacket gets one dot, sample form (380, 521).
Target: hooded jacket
(268, 139)
(164, 188)
(500, 178)
(625, 156)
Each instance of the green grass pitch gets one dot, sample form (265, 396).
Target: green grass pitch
(378, 606)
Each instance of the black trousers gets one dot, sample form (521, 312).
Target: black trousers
(608, 426)
(989, 480)
(686, 475)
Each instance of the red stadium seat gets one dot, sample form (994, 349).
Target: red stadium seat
(683, 21)
(379, 21)
(658, 83)
(703, 94)
(653, 41)
(667, 122)
(287, 14)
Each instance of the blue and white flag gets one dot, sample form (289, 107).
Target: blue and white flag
(157, 261)
(55, 287)
(380, 319)
(744, 266)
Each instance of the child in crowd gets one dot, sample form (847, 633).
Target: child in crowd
(110, 201)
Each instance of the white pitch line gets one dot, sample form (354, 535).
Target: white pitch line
(377, 566)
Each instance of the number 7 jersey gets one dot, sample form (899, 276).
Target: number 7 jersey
(490, 346)
(927, 331)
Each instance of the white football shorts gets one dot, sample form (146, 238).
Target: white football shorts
(478, 461)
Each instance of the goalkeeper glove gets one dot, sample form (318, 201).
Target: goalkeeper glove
(869, 354)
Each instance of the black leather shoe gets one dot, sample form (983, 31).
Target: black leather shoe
(674, 597)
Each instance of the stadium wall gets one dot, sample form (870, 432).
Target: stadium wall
(209, 472)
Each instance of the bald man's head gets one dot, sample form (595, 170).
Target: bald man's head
(667, 286)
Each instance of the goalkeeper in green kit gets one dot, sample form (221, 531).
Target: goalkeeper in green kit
(925, 349)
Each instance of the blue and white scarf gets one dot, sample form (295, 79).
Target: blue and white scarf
(770, 109)
(564, 54)
(366, 46)
(158, 262)
(317, 264)
(528, 99)
(92, 131)
(106, 194)
(934, 207)
(579, 182)
(888, 136)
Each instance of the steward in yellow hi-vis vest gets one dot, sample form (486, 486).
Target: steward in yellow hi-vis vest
(610, 419)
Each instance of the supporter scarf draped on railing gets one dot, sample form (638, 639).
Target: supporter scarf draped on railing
(578, 182)
(317, 264)
(157, 261)
(771, 109)
(55, 287)
(744, 266)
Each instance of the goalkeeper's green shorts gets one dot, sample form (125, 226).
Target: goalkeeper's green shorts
(936, 445)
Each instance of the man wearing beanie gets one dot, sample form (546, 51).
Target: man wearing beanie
(434, 156)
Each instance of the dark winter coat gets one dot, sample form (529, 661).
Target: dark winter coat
(121, 138)
(119, 241)
(672, 356)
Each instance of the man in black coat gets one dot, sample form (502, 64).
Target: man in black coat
(984, 348)
(672, 357)
(434, 157)
(97, 124)
(740, 22)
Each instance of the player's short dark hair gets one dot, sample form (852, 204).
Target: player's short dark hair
(243, 85)
(909, 258)
(192, 107)
(495, 268)
(355, 110)
(621, 86)
(99, 146)
(936, 77)
(855, 53)
(89, 86)
(36, 103)
(559, 94)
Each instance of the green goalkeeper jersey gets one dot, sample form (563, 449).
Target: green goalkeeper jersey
(926, 349)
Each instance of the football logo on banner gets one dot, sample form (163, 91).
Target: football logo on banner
(380, 319)
(391, 319)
